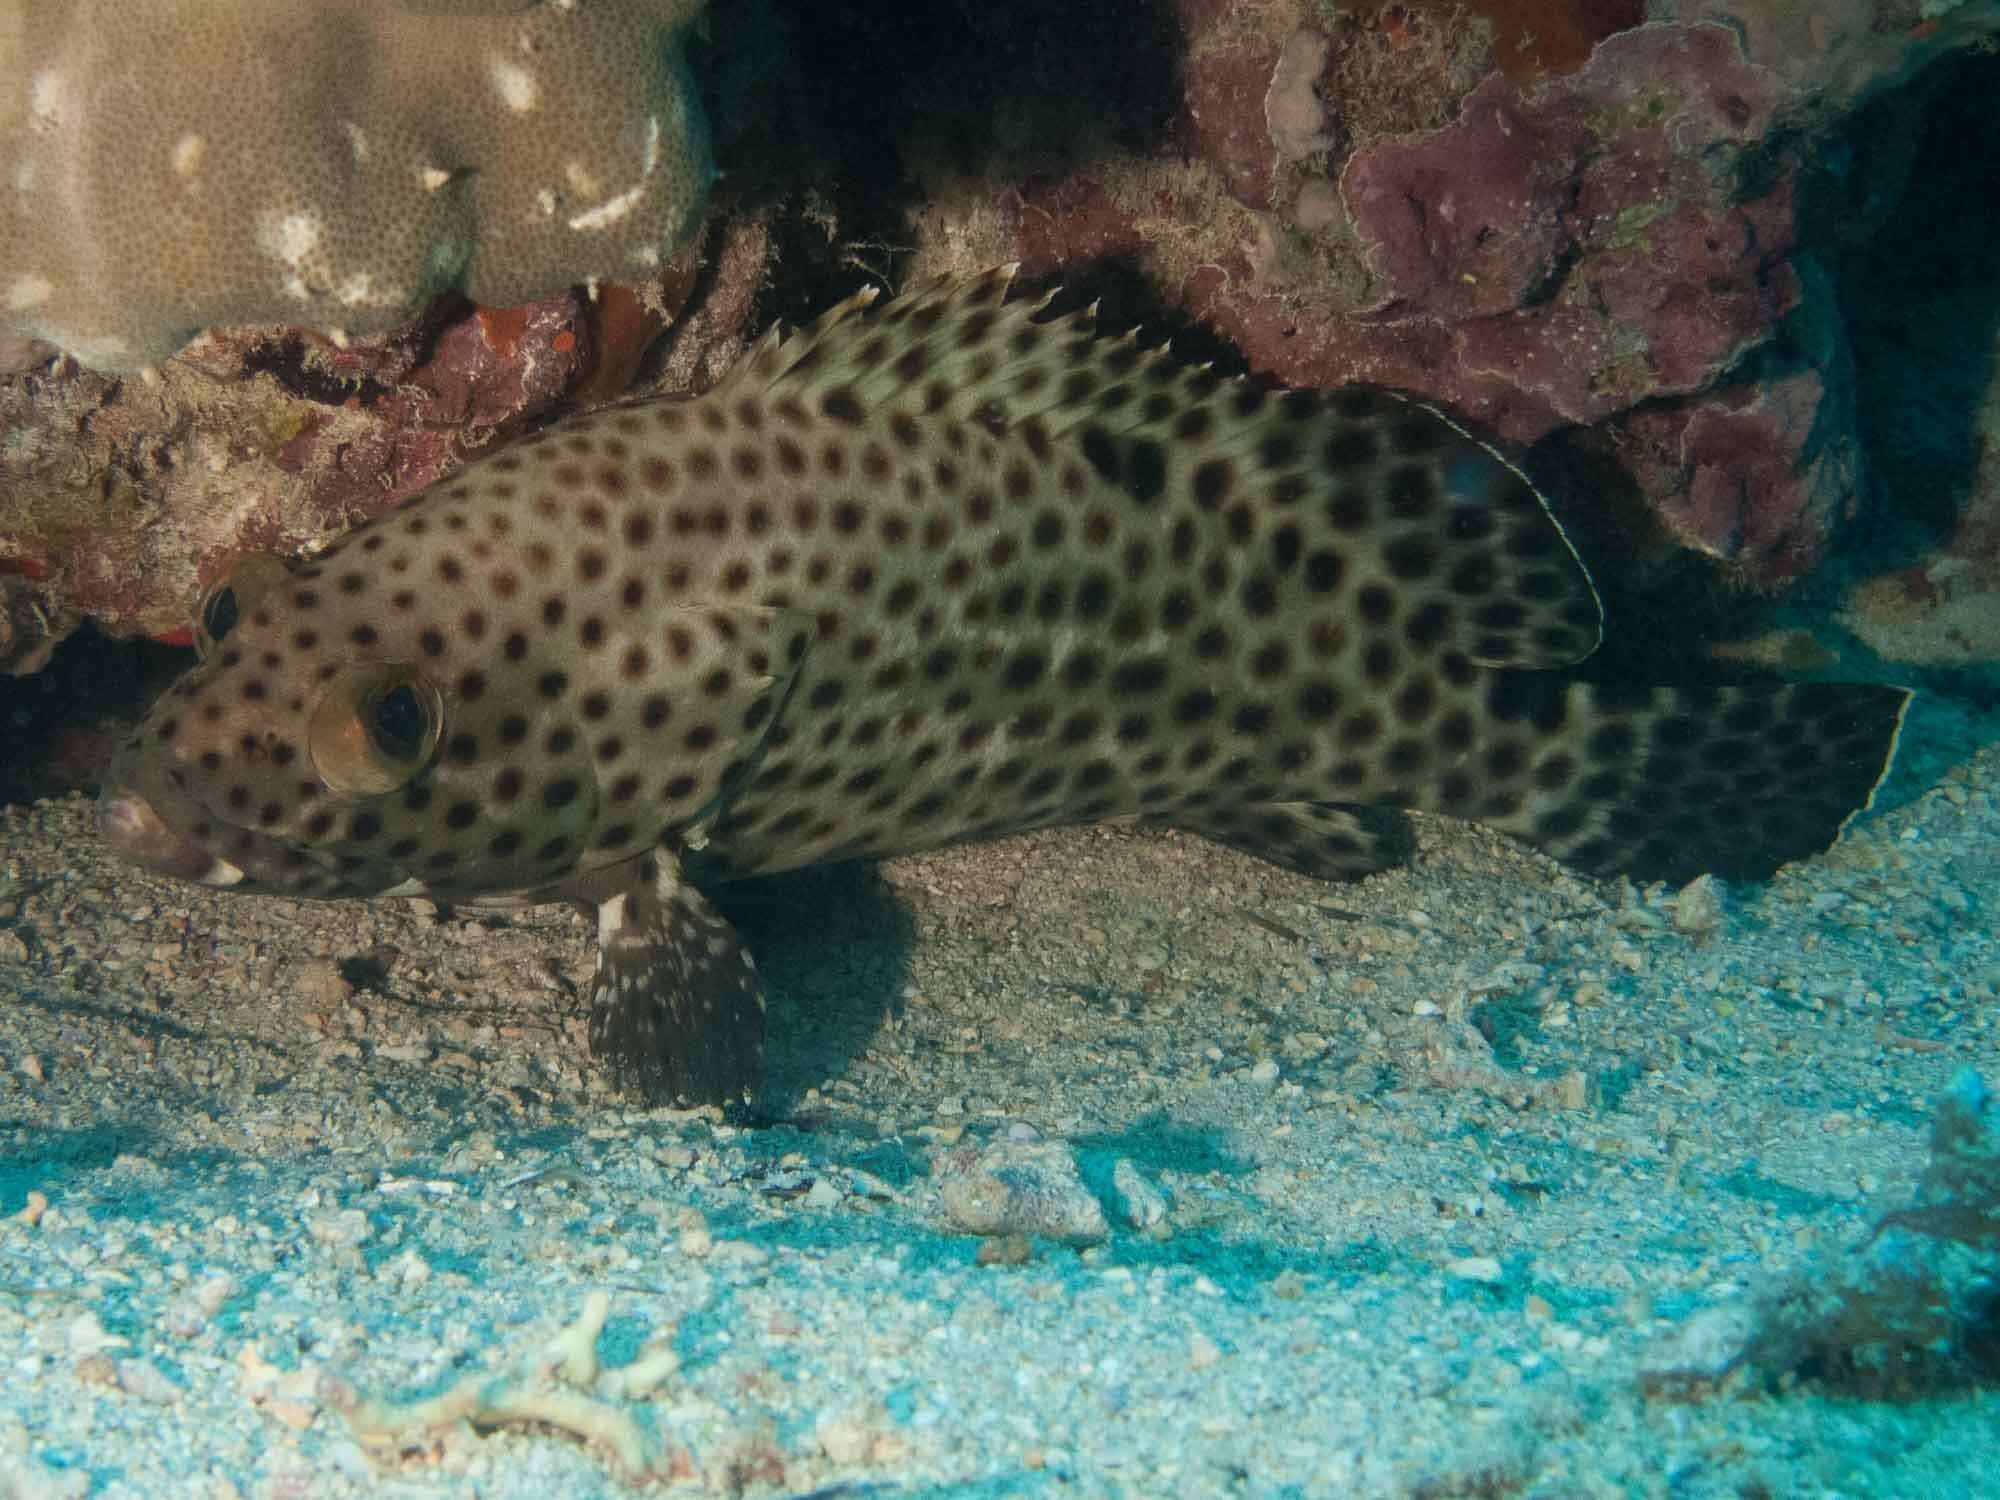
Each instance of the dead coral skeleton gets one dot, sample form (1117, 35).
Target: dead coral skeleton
(558, 1384)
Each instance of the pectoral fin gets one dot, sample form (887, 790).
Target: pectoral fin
(676, 1007)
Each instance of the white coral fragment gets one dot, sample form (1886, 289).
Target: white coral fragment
(560, 1385)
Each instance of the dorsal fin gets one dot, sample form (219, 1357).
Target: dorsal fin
(925, 351)
(779, 352)
(1400, 491)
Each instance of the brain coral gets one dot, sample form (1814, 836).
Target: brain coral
(178, 164)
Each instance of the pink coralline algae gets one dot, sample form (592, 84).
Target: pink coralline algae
(1589, 243)
(124, 496)
(1554, 250)
(121, 497)
(1557, 253)
(1745, 475)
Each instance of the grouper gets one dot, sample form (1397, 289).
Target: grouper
(943, 568)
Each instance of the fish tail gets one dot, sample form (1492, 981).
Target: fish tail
(1667, 783)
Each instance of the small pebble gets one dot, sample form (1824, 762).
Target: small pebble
(696, 1241)
(1697, 907)
(85, 1336)
(845, 1438)
(1005, 1250)
(142, 1378)
(1705, 1347)
(1572, 1091)
(320, 985)
(1140, 1204)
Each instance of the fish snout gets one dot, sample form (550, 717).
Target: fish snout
(131, 826)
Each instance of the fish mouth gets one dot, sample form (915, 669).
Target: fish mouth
(148, 815)
(130, 825)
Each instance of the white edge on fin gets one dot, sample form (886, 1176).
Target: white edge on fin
(1540, 499)
(1888, 764)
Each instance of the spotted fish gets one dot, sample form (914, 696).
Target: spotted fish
(941, 569)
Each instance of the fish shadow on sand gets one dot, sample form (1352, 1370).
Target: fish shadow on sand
(833, 943)
(138, 1023)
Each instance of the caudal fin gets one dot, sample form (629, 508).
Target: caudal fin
(1667, 783)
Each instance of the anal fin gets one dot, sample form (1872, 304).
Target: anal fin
(1327, 840)
(676, 1007)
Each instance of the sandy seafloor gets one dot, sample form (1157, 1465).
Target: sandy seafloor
(1406, 1185)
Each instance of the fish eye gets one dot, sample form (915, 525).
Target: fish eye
(375, 728)
(218, 614)
(397, 721)
(224, 602)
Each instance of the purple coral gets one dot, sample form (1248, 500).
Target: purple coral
(1587, 241)
(1737, 475)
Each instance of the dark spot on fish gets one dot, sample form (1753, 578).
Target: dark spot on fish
(1146, 470)
(1211, 483)
(843, 406)
(1612, 742)
(1195, 706)
(1260, 596)
(1361, 728)
(1146, 675)
(1411, 556)
(1101, 452)
(1081, 667)
(1025, 669)
(1413, 704)
(1428, 625)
